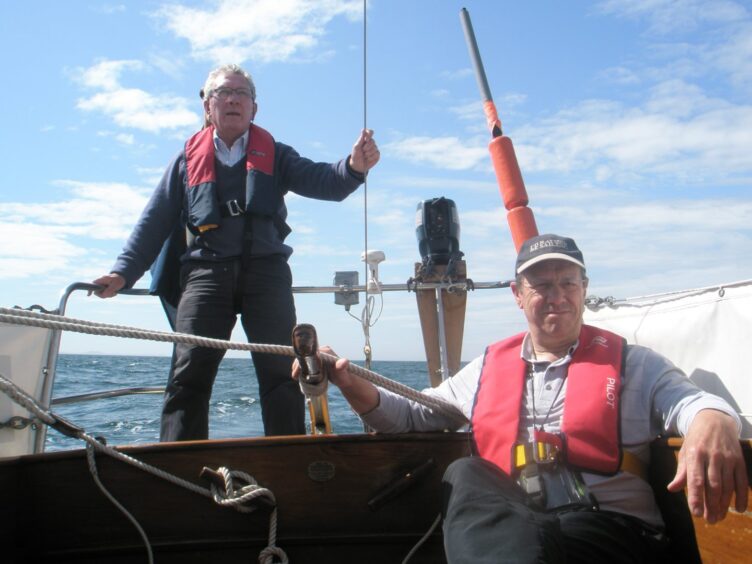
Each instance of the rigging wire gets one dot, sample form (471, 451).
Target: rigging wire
(366, 320)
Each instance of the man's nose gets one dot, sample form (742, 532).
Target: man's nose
(555, 293)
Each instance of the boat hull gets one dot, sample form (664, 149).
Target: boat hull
(339, 498)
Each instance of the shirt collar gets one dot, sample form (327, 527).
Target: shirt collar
(220, 145)
(528, 353)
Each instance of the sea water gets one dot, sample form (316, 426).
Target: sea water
(234, 410)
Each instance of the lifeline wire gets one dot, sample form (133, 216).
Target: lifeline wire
(62, 323)
(366, 310)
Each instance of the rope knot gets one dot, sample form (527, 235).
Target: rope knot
(228, 494)
(237, 489)
(267, 555)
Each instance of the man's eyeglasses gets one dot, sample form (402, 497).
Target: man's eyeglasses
(543, 288)
(224, 93)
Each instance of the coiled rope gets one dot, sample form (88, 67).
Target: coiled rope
(62, 323)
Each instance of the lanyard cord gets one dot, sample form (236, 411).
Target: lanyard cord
(532, 394)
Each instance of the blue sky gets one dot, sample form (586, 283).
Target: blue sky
(632, 122)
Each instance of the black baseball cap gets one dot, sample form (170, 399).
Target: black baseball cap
(548, 247)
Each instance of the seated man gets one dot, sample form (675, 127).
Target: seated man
(562, 416)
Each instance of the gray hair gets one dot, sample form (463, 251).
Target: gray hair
(225, 70)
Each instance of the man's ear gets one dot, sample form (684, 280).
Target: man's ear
(254, 109)
(516, 292)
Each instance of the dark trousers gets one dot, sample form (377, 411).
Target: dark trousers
(487, 520)
(214, 293)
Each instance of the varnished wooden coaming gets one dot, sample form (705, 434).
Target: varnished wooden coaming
(364, 498)
(322, 484)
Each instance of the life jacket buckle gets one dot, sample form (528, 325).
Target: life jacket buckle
(233, 208)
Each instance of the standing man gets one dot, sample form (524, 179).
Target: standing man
(562, 417)
(213, 233)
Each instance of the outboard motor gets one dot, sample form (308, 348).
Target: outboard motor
(437, 227)
(442, 307)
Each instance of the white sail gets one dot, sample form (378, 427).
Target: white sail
(705, 332)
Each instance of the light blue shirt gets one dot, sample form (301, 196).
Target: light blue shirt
(230, 156)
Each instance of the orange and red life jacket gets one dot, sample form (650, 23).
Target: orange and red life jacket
(590, 422)
(261, 195)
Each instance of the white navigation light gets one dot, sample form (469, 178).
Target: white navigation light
(373, 258)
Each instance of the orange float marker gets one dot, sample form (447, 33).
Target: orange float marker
(519, 217)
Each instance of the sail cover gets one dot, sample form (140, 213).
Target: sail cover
(705, 332)
(23, 358)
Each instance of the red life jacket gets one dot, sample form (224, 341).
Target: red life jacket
(590, 423)
(261, 196)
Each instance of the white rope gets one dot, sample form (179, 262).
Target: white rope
(95, 474)
(229, 498)
(440, 405)
(238, 497)
(423, 539)
(61, 323)
(23, 399)
(57, 322)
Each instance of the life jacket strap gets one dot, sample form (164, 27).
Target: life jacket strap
(231, 208)
(524, 454)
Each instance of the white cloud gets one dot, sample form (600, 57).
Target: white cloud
(682, 216)
(258, 30)
(627, 243)
(106, 210)
(672, 16)
(620, 75)
(472, 111)
(109, 8)
(678, 132)
(44, 249)
(105, 75)
(458, 74)
(449, 153)
(150, 175)
(125, 138)
(441, 184)
(733, 56)
(132, 107)
(169, 64)
(718, 32)
(481, 223)
(137, 109)
(55, 234)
